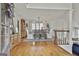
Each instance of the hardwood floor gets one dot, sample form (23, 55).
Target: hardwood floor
(38, 49)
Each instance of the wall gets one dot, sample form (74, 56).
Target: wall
(57, 19)
(75, 20)
(51, 13)
(45, 12)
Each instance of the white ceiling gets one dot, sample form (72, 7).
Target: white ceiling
(49, 5)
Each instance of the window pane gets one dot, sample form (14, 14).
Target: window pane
(41, 25)
(33, 26)
(37, 26)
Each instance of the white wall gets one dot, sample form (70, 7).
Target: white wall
(75, 15)
(75, 19)
(58, 19)
(54, 14)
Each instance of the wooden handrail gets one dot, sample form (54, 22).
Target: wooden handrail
(60, 41)
(61, 30)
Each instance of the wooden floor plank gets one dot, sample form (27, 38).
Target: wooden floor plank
(40, 49)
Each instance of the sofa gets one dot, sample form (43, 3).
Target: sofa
(75, 49)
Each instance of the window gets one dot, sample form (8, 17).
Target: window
(76, 33)
(41, 26)
(37, 26)
(33, 26)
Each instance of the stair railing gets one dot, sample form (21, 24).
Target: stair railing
(61, 37)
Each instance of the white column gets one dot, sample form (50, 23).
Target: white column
(70, 29)
(0, 28)
(70, 26)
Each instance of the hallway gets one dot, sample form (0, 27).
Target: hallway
(39, 30)
(43, 48)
